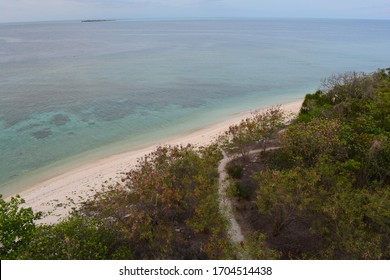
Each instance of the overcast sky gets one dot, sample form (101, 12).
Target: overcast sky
(40, 10)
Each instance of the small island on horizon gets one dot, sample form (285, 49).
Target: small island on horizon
(97, 20)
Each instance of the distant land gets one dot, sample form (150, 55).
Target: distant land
(97, 20)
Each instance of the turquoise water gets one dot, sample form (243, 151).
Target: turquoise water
(72, 92)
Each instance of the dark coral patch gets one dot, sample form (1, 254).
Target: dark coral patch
(60, 119)
(41, 134)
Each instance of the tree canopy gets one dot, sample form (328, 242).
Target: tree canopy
(338, 181)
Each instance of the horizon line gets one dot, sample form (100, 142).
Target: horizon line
(191, 18)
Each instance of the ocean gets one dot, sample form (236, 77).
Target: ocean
(73, 92)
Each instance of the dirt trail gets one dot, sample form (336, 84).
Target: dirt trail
(225, 203)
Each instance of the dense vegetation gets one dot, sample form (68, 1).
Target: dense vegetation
(321, 192)
(166, 208)
(325, 194)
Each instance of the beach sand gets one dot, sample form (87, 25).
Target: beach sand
(55, 197)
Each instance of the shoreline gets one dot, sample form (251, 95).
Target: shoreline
(57, 196)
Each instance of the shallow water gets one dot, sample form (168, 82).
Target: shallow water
(71, 88)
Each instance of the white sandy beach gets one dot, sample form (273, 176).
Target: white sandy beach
(53, 196)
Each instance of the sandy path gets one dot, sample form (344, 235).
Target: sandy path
(226, 204)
